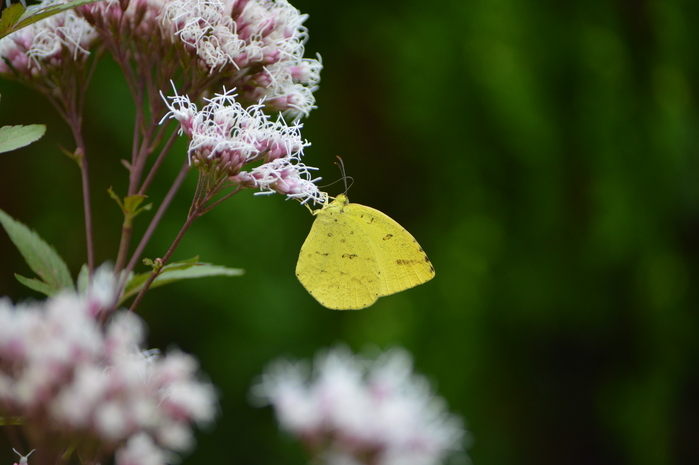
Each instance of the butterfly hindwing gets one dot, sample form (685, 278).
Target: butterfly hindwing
(401, 261)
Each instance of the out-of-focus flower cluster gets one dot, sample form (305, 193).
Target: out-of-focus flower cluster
(47, 49)
(225, 136)
(360, 411)
(255, 46)
(63, 374)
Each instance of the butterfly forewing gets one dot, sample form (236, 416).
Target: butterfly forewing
(337, 264)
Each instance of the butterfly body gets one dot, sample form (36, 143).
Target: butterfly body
(355, 254)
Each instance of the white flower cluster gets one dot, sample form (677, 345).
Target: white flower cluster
(362, 411)
(256, 46)
(61, 370)
(225, 136)
(258, 43)
(60, 39)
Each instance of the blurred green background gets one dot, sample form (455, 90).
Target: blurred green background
(546, 156)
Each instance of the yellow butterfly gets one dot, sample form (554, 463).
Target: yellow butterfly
(355, 254)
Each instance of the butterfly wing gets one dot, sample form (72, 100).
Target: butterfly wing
(401, 262)
(337, 263)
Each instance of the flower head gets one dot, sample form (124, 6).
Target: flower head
(225, 137)
(355, 410)
(256, 46)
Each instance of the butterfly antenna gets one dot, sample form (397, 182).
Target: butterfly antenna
(332, 183)
(341, 165)
(344, 178)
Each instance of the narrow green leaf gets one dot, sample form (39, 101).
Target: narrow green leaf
(10, 17)
(31, 15)
(191, 261)
(200, 270)
(14, 137)
(177, 272)
(40, 256)
(134, 285)
(182, 264)
(132, 202)
(116, 198)
(136, 281)
(130, 206)
(36, 285)
(83, 279)
(12, 421)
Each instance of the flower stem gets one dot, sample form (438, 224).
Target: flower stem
(158, 162)
(198, 208)
(88, 214)
(156, 272)
(73, 120)
(154, 223)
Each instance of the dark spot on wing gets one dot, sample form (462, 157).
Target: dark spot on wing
(342, 240)
(387, 237)
(349, 255)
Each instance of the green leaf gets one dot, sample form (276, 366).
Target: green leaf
(83, 279)
(14, 137)
(40, 256)
(183, 264)
(21, 17)
(136, 281)
(185, 269)
(130, 206)
(200, 270)
(10, 17)
(11, 421)
(36, 285)
(132, 202)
